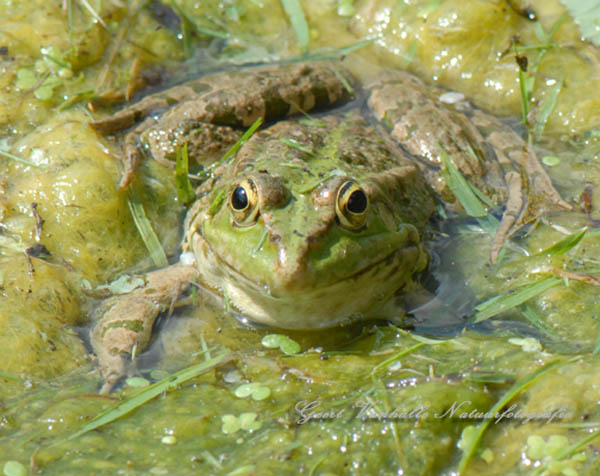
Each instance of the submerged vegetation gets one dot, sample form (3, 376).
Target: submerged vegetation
(368, 399)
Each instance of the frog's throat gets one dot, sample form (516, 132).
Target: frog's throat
(358, 296)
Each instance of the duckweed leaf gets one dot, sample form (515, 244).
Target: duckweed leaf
(168, 440)
(285, 344)
(248, 421)
(551, 160)
(125, 284)
(467, 437)
(487, 455)
(554, 453)
(26, 79)
(231, 424)
(498, 304)
(138, 382)
(555, 444)
(14, 468)
(535, 447)
(256, 390)
(528, 344)
(46, 90)
(570, 452)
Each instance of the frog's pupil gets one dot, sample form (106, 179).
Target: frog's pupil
(239, 199)
(357, 202)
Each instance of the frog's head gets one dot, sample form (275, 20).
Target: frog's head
(299, 258)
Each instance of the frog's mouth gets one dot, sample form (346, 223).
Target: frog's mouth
(359, 295)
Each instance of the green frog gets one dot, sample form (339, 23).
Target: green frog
(316, 220)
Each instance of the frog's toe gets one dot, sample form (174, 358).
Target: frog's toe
(113, 372)
(130, 165)
(525, 201)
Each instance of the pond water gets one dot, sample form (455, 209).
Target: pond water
(515, 393)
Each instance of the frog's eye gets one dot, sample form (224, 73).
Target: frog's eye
(244, 203)
(351, 205)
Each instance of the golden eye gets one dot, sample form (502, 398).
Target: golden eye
(351, 205)
(244, 203)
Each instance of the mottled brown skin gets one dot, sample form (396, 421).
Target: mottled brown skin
(128, 333)
(210, 113)
(506, 170)
(303, 247)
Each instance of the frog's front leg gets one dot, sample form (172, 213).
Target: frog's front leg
(209, 114)
(125, 322)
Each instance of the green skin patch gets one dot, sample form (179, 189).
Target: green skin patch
(300, 263)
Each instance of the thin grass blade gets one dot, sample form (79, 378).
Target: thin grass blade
(564, 245)
(148, 393)
(10, 156)
(145, 229)
(498, 304)
(199, 29)
(234, 148)
(294, 11)
(93, 12)
(185, 191)
(461, 189)
(395, 357)
(548, 104)
(512, 392)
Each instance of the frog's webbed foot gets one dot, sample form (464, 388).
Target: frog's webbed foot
(530, 192)
(488, 153)
(125, 321)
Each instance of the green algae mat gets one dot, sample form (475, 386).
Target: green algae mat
(512, 391)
